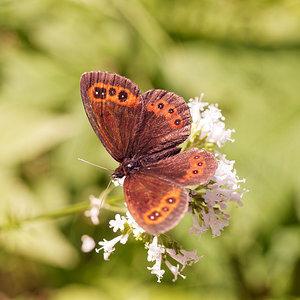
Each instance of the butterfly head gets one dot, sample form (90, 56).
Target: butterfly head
(126, 167)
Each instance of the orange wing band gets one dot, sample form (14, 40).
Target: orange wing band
(197, 166)
(168, 111)
(166, 205)
(101, 92)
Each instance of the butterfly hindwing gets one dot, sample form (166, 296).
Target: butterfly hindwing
(156, 204)
(165, 124)
(114, 105)
(192, 167)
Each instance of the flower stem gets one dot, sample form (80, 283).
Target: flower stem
(79, 207)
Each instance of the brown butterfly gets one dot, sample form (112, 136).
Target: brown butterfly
(142, 132)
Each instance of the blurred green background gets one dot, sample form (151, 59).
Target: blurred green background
(244, 55)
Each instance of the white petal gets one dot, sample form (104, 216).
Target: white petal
(88, 243)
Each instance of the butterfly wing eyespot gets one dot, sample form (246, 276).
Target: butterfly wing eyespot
(97, 93)
(158, 106)
(112, 91)
(170, 112)
(176, 122)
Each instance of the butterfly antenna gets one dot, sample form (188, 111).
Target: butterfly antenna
(105, 192)
(95, 165)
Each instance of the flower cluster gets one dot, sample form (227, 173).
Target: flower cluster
(208, 123)
(157, 251)
(127, 226)
(207, 206)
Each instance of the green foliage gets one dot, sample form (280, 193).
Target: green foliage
(244, 55)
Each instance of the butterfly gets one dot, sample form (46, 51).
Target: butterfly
(142, 132)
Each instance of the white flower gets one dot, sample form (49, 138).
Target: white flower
(118, 181)
(118, 223)
(209, 121)
(108, 246)
(184, 257)
(88, 243)
(137, 230)
(155, 252)
(196, 229)
(226, 174)
(216, 195)
(174, 270)
(227, 185)
(211, 219)
(94, 211)
(196, 106)
(124, 239)
(156, 270)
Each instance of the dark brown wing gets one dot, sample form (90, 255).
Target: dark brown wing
(156, 204)
(191, 167)
(165, 124)
(114, 106)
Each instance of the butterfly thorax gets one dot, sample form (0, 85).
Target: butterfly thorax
(127, 166)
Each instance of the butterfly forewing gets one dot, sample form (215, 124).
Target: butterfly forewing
(156, 204)
(114, 106)
(166, 123)
(192, 167)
